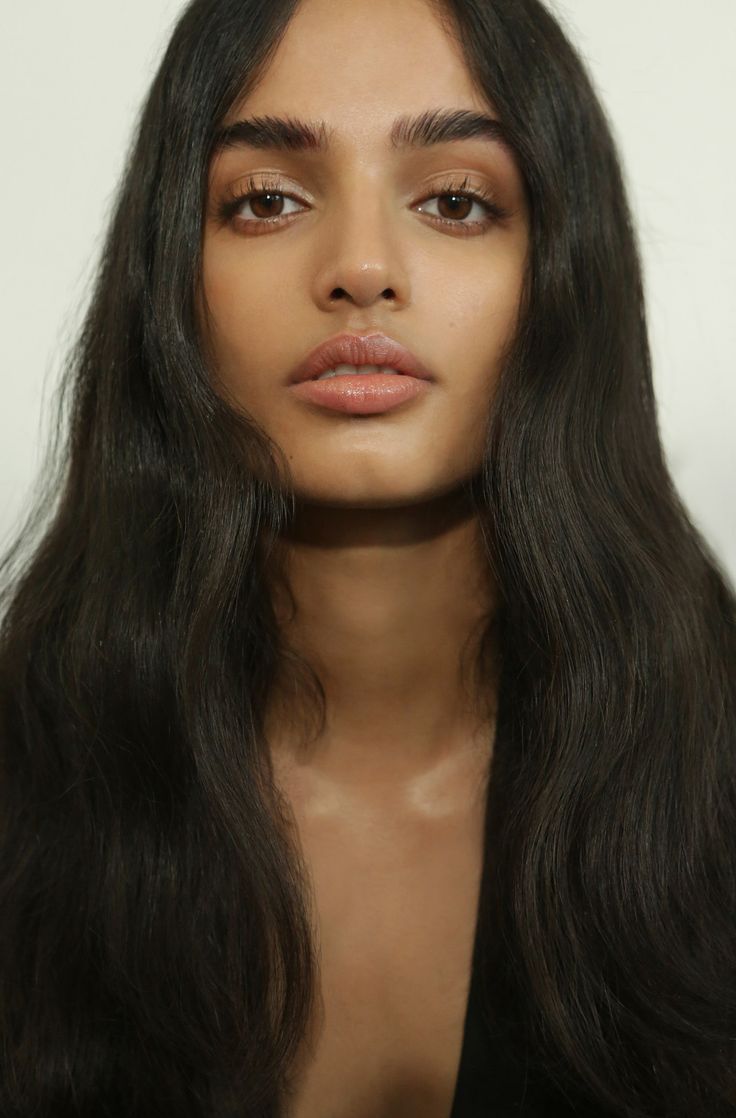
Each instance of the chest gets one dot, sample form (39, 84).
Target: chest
(395, 899)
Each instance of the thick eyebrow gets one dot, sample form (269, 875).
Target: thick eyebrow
(435, 126)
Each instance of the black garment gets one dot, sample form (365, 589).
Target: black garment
(491, 1083)
(494, 1083)
(495, 1079)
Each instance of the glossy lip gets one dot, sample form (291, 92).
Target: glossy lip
(362, 393)
(360, 349)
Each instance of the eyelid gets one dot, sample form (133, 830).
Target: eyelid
(272, 183)
(263, 182)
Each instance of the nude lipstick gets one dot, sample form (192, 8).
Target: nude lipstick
(360, 374)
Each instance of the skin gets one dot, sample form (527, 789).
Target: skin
(384, 560)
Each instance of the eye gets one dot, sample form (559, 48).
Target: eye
(458, 206)
(268, 204)
(458, 203)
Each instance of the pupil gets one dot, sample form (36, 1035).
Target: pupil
(269, 200)
(455, 200)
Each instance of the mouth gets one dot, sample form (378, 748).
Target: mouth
(360, 355)
(360, 374)
(364, 393)
(345, 370)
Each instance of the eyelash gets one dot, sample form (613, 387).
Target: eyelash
(228, 208)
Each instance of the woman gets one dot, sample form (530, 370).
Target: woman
(367, 736)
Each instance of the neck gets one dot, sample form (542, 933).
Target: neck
(387, 606)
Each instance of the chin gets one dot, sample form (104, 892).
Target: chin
(373, 493)
(346, 498)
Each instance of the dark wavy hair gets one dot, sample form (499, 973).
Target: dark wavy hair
(155, 943)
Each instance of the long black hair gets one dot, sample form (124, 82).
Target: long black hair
(156, 954)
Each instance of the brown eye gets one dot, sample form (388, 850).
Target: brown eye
(259, 204)
(267, 205)
(458, 206)
(264, 205)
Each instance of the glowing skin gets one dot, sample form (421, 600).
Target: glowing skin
(385, 561)
(356, 227)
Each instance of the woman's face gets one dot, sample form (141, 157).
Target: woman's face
(365, 236)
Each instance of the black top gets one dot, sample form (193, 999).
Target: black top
(490, 1084)
(493, 1082)
(495, 1079)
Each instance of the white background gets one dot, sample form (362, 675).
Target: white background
(73, 75)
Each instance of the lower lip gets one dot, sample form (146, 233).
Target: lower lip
(362, 394)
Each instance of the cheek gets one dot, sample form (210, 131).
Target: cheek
(229, 300)
(245, 306)
(485, 300)
(480, 316)
(251, 352)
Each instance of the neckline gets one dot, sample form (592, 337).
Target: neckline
(474, 1048)
(471, 1017)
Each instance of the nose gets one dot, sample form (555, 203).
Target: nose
(359, 260)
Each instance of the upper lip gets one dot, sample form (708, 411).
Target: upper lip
(360, 349)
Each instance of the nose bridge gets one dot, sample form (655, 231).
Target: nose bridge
(359, 252)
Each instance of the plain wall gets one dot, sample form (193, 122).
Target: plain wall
(72, 77)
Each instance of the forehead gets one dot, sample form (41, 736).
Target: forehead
(360, 64)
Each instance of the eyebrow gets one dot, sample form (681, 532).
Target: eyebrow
(435, 126)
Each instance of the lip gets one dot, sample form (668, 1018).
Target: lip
(364, 393)
(360, 349)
